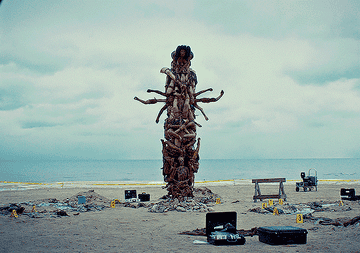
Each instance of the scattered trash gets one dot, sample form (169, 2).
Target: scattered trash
(304, 209)
(305, 212)
(62, 213)
(55, 208)
(202, 201)
(345, 222)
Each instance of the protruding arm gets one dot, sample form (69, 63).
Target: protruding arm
(201, 92)
(167, 71)
(150, 101)
(158, 92)
(209, 100)
(160, 112)
(201, 110)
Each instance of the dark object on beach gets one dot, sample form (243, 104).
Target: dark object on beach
(309, 182)
(221, 229)
(130, 195)
(18, 208)
(202, 232)
(282, 235)
(348, 194)
(180, 148)
(61, 213)
(144, 197)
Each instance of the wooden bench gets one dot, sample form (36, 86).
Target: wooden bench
(258, 195)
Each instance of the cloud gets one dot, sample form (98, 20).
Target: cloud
(70, 72)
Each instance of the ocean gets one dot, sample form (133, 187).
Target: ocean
(46, 171)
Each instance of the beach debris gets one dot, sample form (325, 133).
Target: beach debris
(306, 208)
(61, 213)
(187, 205)
(304, 212)
(344, 221)
(202, 201)
(180, 157)
(12, 207)
(56, 208)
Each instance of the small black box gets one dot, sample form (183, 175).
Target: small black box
(130, 194)
(281, 235)
(221, 229)
(348, 194)
(144, 197)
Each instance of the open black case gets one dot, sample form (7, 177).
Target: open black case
(221, 229)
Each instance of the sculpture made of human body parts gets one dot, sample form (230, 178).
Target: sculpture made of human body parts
(180, 157)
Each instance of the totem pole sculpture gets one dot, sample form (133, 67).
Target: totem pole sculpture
(180, 157)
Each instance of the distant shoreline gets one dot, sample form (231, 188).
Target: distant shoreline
(11, 186)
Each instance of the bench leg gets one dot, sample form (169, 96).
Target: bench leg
(257, 192)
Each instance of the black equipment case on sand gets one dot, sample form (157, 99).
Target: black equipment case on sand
(144, 197)
(281, 235)
(130, 196)
(221, 229)
(348, 194)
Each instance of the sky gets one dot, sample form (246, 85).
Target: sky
(69, 72)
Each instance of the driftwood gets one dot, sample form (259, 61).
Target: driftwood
(181, 146)
(345, 222)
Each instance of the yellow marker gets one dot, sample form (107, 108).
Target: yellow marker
(112, 204)
(218, 201)
(299, 218)
(341, 203)
(271, 202)
(263, 205)
(14, 214)
(276, 211)
(281, 201)
(33, 209)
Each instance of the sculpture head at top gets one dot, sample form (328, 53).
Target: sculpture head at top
(182, 52)
(181, 59)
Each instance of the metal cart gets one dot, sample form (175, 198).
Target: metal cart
(309, 182)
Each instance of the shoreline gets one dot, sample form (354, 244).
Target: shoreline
(13, 186)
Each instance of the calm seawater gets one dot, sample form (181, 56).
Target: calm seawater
(150, 170)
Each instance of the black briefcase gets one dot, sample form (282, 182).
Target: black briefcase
(281, 235)
(221, 229)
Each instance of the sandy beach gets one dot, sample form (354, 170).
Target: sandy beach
(136, 229)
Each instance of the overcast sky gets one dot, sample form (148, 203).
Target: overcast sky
(69, 71)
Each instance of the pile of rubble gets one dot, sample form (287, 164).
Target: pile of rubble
(56, 208)
(308, 209)
(305, 209)
(202, 201)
